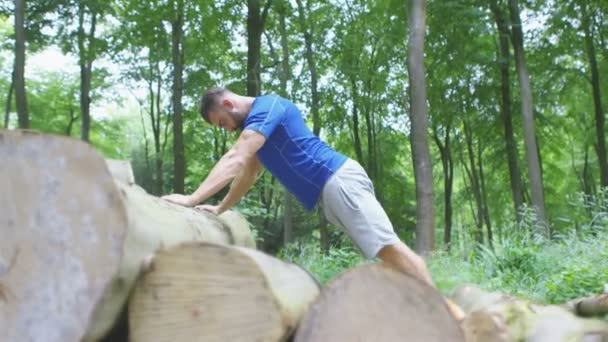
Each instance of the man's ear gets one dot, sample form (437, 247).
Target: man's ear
(228, 103)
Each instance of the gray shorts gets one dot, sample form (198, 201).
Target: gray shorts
(349, 202)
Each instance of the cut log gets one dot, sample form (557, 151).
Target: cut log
(155, 224)
(374, 302)
(62, 226)
(121, 170)
(208, 292)
(497, 317)
(74, 238)
(589, 306)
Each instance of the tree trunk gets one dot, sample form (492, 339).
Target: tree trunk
(423, 168)
(155, 120)
(74, 237)
(373, 302)
(255, 27)
(323, 232)
(19, 66)
(356, 137)
(308, 36)
(9, 100)
(448, 179)
(73, 118)
(475, 186)
(179, 159)
(254, 37)
(503, 61)
(484, 198)
(85, 60)
(195, 292)
(287, 217)
(493, 317)
(600, 118)
(532, 155)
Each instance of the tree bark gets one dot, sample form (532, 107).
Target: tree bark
(200, 286)
(503, 61)
(448, 181)
(600, 118)
(423, 169)
(323, 231)
(484, 197)
(475, 184)
(402, 307)
(19, 66)
(356, 137)
(532, 155)
(308, 37)
(155, 120)
(9, 100)
(74, 237)
(255, 28)
(73, 118)
(86, 55)
(179, 158)
(493, 317)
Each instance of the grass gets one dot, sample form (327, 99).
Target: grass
(522, 264)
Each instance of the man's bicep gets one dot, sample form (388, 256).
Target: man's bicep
(249, 142)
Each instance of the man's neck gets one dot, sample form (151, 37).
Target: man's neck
(246, 102)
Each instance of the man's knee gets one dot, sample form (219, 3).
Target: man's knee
(400, 251)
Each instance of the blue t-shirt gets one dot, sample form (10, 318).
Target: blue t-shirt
(292, 153)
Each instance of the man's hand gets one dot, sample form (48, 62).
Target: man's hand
(214, 209)
(179, 199)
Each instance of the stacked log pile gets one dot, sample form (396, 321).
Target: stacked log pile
(73, 237)
(495, 317)
(83, 248)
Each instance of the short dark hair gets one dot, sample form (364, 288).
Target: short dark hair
(209, 101)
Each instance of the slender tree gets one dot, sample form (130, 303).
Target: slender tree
(9, 99)
(503, 59)
(86, 56)
(532, 155)
(445, 151)
(473, 176)
(255, 28)
(177, 36)
(600, 117)
(423, 169)
(307, 32)
(19, 65)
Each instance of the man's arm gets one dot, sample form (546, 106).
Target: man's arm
(239, 187)
(226, 169)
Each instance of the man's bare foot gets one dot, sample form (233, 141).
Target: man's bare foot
(455, 310)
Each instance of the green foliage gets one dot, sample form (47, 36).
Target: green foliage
(527, 265)
(324, 267)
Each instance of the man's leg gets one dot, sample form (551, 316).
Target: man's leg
(349, 202)
(401, 257)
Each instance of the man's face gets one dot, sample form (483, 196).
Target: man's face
(226, 117)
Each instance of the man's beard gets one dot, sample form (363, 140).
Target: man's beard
(239, 119)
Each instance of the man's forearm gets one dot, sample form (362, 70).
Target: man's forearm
(242, 183)
(222, 173)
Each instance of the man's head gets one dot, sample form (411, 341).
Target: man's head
(222, 108)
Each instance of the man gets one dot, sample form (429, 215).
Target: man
(275, 136)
